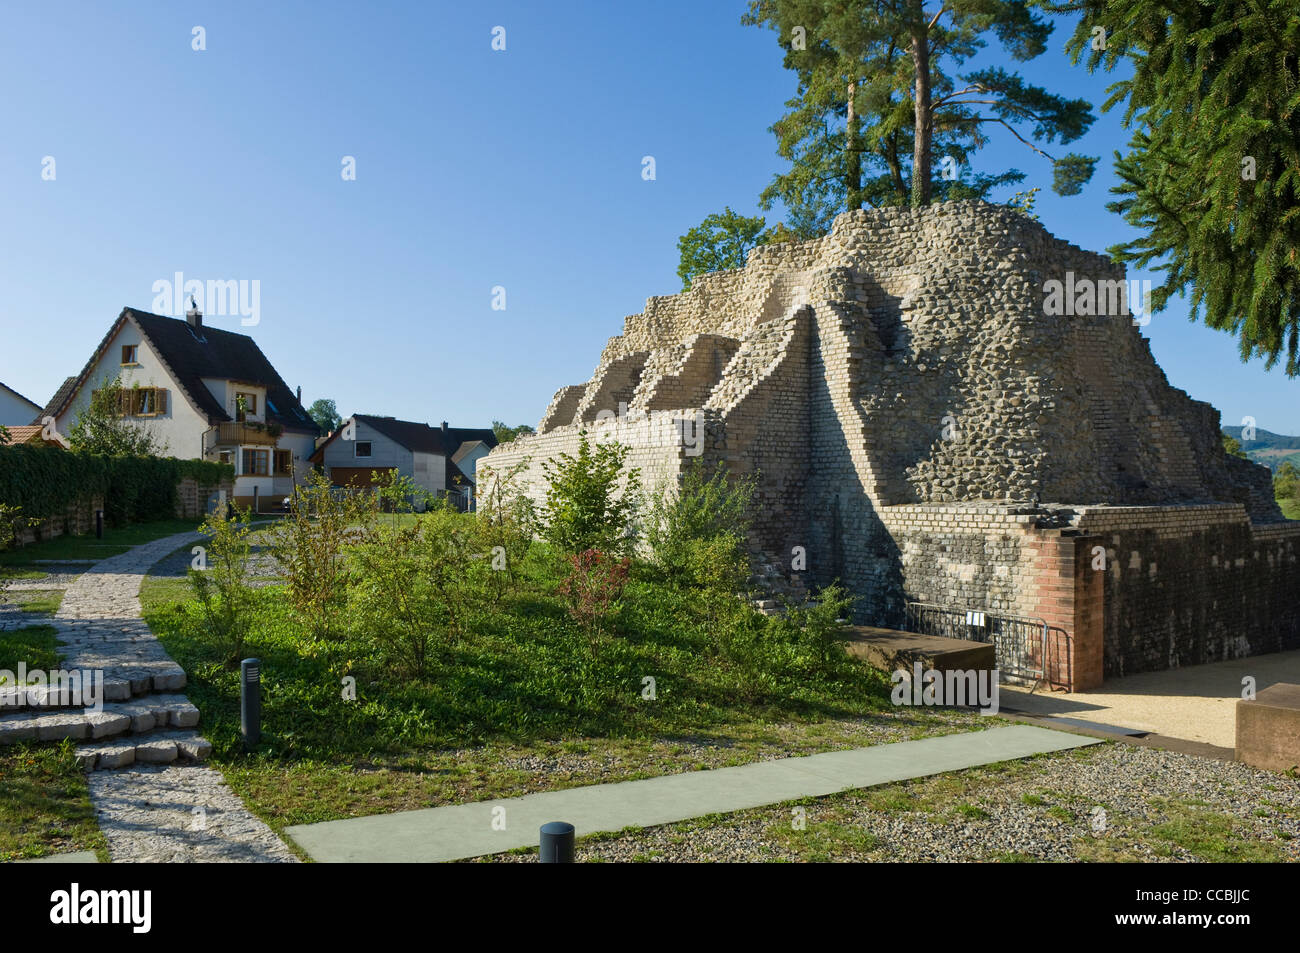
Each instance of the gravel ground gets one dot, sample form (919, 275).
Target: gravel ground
(982, 815)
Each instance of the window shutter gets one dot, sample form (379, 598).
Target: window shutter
(124, 398)
(160, 398)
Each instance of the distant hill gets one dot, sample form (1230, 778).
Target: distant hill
(1270, 449)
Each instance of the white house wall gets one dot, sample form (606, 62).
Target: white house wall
(15, 412)
(179, 430)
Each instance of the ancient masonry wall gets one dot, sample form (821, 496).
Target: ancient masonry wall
(925, 427)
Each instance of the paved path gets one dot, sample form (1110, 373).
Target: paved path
(1196, 703)
(147, 812)
(473, 830)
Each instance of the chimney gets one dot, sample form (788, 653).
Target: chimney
(300, 393)
(444, 428)
(194, 317)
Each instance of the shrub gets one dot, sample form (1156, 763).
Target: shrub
(508, 521)
(310, 545)
(586, 508)
(819, 626)
(417, 584)
(595, 582)
(705, 518)
(224, 597)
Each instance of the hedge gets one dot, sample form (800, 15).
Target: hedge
(45, 481)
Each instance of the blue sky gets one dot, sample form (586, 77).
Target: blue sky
(474, 169)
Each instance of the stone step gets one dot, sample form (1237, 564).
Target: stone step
(119, 685)
(159, 747)
(116, 718)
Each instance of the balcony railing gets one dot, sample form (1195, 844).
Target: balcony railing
(236, 433)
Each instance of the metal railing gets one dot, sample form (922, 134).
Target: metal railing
(1020, 642)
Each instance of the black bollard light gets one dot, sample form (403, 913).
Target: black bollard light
(557, 843)
(99, 524)
(250, 702)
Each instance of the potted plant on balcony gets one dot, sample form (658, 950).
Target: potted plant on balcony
(274, 429)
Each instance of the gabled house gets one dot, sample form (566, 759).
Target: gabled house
(438, 459)
(36, 435)
(204, 393)
(15, 409)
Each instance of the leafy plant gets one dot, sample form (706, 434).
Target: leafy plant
(221, 589)
(820, 623)
(101, 427)
(310, 544)
(417, 585)
(508, 522)
(706, 518)
(591, 500)
(595, 582)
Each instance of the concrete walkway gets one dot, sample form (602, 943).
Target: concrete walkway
(1196, 703)
(490, 827)
(151, 812)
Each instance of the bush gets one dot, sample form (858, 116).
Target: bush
(595, 582)
(224, 596)
(417, 585)
(705, 519)
(818, 623)
(585, 506)
(508, 521)
(310, 545)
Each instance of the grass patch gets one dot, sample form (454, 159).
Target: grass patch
(45, 803)
(36, 602)
(34, 646)
(91, 549)
(523, 703)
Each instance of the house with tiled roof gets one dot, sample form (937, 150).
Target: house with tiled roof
(203, 393)
(438, 459)
(15, 409)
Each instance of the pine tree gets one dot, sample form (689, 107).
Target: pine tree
(1212, 173)
(877, 102)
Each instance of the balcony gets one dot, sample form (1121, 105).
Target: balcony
(238, 433)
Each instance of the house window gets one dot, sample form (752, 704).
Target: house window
(256, 462)
(283, 463)
(361, 448)
(245, 404)
(141, 401)
(129, 354)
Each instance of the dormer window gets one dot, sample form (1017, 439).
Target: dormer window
(129, 352)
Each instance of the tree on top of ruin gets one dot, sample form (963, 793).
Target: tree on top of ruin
(878, 101)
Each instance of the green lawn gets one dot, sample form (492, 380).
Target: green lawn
(45, 803)
(91, 549)
(35, 646)
(521, 704)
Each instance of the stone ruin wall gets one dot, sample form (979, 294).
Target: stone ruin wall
(841, 368)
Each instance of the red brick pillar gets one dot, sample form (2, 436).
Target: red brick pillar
(1068, 595)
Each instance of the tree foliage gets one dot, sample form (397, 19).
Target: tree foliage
(880, 96)
(101, 428)
(721, 242)
(591, 499)
(505, 433)
(1211, 177)
(326, 415)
